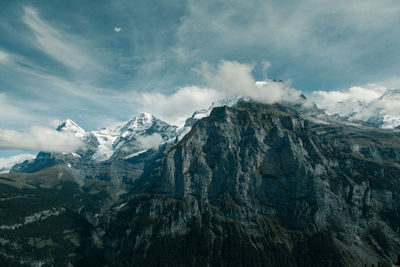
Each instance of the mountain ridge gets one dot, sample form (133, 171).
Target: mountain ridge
(251, 185)
(260, 176)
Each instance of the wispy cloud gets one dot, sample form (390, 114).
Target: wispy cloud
(331, 39)
(59, 45)
(3, 57)
(12, 114)
(41, 91)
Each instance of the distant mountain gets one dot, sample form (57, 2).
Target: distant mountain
(88, 138)
(7, 163)
(122, 140)
(141, 133)
(127, 138)
(106, 138)
(383, 111)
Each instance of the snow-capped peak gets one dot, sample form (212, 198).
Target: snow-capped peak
(144, 115)
(127, 138)
(376, 105)
(142, 132)
(69, 126)
(140, 121)
(88, 138)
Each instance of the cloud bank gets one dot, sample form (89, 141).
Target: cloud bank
(224, 80)
(231, 78)
(39, 138)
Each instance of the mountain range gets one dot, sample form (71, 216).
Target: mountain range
(120, 141)
(242, 183)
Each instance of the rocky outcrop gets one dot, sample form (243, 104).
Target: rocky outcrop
(259, 185)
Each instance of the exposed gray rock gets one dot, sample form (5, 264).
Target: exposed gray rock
(260, 185)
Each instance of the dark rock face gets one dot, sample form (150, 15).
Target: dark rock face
(258, 185)
(43, 160)
(252, 185)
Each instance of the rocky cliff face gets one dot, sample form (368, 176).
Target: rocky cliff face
(259, 185)
(250, 185)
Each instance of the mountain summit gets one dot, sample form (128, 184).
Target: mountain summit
(141, 133)
(69, 126)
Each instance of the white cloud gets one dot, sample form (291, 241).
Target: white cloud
(117, 29)
(39, 138)
(59, 45)
(7, 163)
(345, 102)
(150, 141)
(176, 108)
(227, 79)
(233, 78)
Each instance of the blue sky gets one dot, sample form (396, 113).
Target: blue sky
(64, 59)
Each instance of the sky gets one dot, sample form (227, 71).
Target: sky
(99, 62)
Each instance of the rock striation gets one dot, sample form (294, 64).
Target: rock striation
(258, 185)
